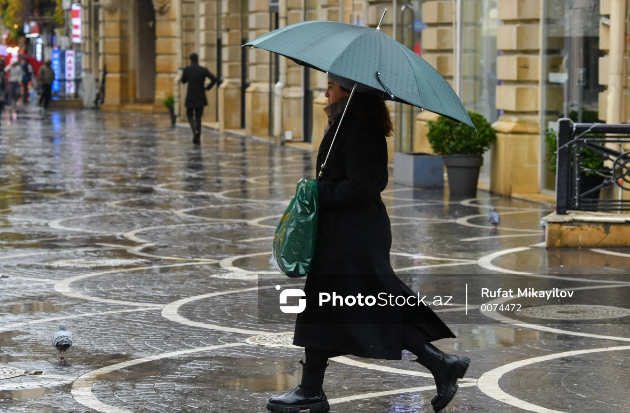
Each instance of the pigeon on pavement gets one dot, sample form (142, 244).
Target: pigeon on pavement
(62, 340)
(494, 218)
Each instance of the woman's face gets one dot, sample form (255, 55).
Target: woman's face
(334, 92)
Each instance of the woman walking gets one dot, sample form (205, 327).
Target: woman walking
(352, 259)
(15, 77)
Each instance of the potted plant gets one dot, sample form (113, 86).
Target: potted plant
(461, 148)
(169, 103)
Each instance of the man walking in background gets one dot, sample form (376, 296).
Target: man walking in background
(46, 79)
(195, 76)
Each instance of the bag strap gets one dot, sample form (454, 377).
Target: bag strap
(321, 172)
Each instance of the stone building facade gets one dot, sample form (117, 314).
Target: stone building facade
(513, 61)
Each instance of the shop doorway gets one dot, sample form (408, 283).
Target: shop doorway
(144, 52)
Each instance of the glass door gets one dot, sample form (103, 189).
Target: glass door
(570, 74)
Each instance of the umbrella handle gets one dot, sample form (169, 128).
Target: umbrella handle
(378, 76)
(321, 172)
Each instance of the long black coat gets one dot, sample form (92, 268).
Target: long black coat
(352, 252)
(195, 76)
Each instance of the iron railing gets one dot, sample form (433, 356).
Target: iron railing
(578, 183)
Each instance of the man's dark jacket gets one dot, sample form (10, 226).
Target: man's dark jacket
(195, 76)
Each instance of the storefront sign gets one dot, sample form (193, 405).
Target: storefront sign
(56, 67)
(39, 49)
(70, 72)
(76, 23)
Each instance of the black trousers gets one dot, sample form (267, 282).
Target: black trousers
(194, 118)
(46, 95)
(25, 93)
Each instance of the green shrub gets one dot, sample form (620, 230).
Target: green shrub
(551, 138)
(448, 137)
(588, 116)
(169, 102)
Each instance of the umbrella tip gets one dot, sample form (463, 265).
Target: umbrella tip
(381, 21)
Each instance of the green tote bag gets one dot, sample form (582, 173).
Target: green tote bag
(294, 240)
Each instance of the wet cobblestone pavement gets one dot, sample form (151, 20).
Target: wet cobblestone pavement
(149, 249)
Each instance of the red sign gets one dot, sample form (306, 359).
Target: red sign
(76, 23)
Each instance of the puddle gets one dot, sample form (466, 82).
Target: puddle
(33, 393)
(95, 262)
(9, 334)
(488, 337)
(32, 307)
(219, 373)
(12, 236)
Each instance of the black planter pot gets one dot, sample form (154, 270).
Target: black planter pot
(463, 173)
(171, 112)
(586, 184)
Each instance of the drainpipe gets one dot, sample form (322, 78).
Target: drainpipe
(395, 21)
(179, 57)
(342, 11)
(459, 52)
(282, 81)
(616, 61)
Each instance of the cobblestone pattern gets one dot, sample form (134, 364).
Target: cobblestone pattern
(171, 224)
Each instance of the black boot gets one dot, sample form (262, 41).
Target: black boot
(308, 395)
(446, 369)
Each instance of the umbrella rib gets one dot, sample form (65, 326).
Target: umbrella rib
(410, 65)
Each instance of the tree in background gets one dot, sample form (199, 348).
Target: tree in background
(15, 12)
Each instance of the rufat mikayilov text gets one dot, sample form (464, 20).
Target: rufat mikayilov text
(526, 292)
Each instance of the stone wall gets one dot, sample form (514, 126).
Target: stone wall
(166, 56)
(207, 34)
(230, 89)
(114, 52)
(516, 153)
(257, 95)
(437, 50)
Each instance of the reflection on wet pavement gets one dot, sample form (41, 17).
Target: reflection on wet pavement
(149, 251)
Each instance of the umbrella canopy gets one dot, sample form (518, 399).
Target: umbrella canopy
(369, 57)
(35, 64)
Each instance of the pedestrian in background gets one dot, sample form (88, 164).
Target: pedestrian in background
(27, 76)
(15, 77)
(46, 78)
(195, 75)
(352, 258)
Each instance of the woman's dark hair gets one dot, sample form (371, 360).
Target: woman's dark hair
(372, 106)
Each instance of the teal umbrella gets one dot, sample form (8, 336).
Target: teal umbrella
(369, 57)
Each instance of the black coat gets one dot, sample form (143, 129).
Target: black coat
(352, 252)
(195, 76)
